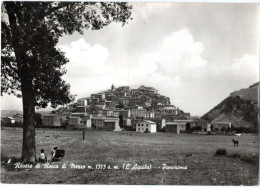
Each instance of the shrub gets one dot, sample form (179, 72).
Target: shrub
(223, 129)
(221, 151)
(248, 158)
(197, 128)
(251, 159)
(162, 129)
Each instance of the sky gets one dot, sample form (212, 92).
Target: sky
(194, 53)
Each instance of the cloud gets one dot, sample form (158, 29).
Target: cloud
(246, 67)
(144, 10)
(177, 69)
(88, 69)
(176, 62)
(84, 59)
(86, 64)
(176, 58)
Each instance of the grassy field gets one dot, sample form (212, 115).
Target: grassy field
(118, 148)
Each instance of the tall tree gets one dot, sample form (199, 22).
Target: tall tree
(32, 65)
(121, 120)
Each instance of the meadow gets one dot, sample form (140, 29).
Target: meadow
(108, 150)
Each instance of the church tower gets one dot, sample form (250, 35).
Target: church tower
(112, 87)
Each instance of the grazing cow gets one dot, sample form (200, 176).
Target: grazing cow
(235, 142)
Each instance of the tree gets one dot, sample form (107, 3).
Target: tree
(120, 105)
(38, 120)
(121, 120)
(32, 65)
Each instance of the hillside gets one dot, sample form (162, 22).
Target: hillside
(248, 93)
(240, 108)
(10, 113)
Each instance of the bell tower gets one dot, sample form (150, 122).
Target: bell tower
(112, 87)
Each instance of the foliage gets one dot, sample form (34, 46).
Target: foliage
(188, 155)
(243, 130)
(32, 66)
(162, 129)
(196, 128)
(146, 131)
(224, 129)
(248, 158)
(221, 151)
(251, 159)
(38, 120)
(38, 26)
(120, 105)
(121, 120)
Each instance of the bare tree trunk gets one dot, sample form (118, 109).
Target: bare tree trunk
(28, 151)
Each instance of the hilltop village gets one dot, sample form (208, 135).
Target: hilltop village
(122, 108)
(142, 110)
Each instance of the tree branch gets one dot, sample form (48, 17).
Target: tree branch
(62, 5)
(11, 67)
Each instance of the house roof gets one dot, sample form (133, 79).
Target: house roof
(81, 99)
(74, 117)
(171, 123)
(215, 122)
(169, 108)
(98, 117)
(148, 121)
(183, 120)
(111, 120)
(19, 115)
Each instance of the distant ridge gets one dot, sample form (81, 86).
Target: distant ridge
(10, 113)
(240, 108)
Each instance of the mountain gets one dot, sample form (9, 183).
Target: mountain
(10, 113)
(240, 108)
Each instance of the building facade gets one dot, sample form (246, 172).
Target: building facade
(51, 120)
(138, 113)
(98, 122)
(18, 118)
(82, 102)
(171, 110)
(82, 120)
(146, 125)
(111, 124)
(173, 127)
(75, 122)
(149, 114)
